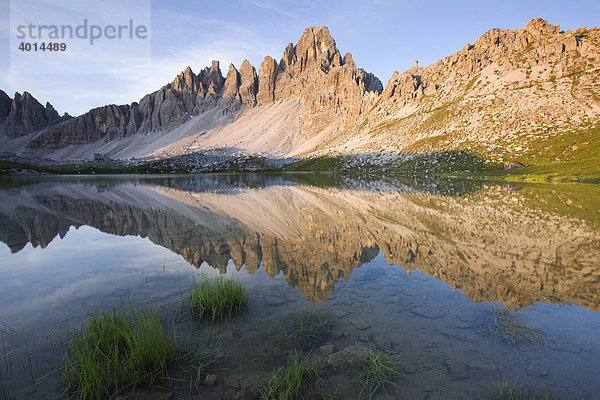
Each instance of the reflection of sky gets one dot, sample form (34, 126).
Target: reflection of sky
(89, 268)
(43, 287)
(79, 271)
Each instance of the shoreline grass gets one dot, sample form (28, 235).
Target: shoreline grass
(213, 298)
(505, 391)
(376, 368)
(508, 324)
(288, 382)
(576, 171)
(115, 350)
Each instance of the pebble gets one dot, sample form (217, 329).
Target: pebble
(536, 370)
(326, 350)
(210, 380)
(408, 368)
(360, 324)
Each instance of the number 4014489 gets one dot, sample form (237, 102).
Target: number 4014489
(50, 46)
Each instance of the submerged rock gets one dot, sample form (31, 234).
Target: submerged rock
(360, 324)
(536, 370)
(210, 380)
(326, 350)
(456, 369)
(346, 356)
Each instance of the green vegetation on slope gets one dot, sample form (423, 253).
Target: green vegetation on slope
(564, 156)
(180, 164)
(567, 156)
(388, 164)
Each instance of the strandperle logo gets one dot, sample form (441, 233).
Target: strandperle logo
(90, 32)
(80, 36)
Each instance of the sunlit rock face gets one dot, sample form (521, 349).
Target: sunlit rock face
(497, 97)
(503, 92)
(331, 91)
(490, 243)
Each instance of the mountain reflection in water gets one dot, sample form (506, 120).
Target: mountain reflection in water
(492, 242)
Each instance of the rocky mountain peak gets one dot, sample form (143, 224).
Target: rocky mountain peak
(311, 74)
(266, 80)
(214, 67)
(186, 81)
(538, 27)
(213, 75)
(315, 49)
(348, 60)
(5, 102)
(232, 84)
(539, 42)
(248, 83)
(289, 57)
(26, 115)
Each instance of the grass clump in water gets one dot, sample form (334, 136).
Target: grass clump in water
(287, 383)
(307, 327)
(505, 391)
(116, 350)
(376, 368)
(508, 324)
(213, 298)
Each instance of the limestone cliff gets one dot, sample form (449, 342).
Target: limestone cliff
(333, 91)
(505, 96)
(510, 95)
(23, 115)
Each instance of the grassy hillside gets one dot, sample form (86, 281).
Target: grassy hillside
(566, 156)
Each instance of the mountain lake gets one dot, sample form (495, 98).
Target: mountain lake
(471, 288)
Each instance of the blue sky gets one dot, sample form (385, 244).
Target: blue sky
(383, 36)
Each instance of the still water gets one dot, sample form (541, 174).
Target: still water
(410, 265)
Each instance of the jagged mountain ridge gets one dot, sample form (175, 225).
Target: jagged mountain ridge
(508, 89)
(23, 114)
(311, 72)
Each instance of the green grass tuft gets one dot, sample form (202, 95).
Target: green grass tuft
(376, 368)
(213, 298)
(508, 324)
(116, 350)
(505, 391)
(288, 382)
(308, 326)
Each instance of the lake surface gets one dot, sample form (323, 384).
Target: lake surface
(411, 265)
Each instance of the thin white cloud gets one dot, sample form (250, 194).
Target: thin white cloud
(124, 82)
(269, 6)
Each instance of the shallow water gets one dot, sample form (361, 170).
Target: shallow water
(410, 265)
